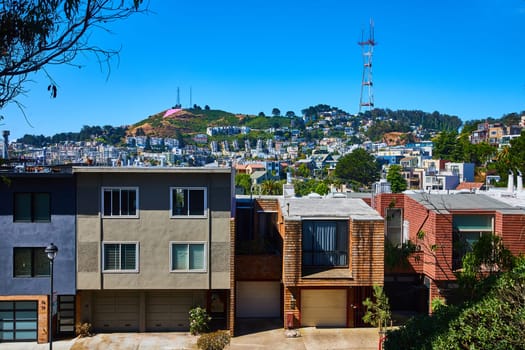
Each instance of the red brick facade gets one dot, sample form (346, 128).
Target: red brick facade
(431, 230)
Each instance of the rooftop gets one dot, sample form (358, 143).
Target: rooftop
(326, 208)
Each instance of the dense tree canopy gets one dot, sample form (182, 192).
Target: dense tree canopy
(458, 148)
(358, 167)
(35, 34)
(490, 313)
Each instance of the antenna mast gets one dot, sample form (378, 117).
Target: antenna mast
(367, 83)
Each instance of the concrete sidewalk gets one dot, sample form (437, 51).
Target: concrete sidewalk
(57, 345)
(310, 338)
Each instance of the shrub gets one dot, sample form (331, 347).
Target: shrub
(198, 320)
(83, 329)
(214, 341)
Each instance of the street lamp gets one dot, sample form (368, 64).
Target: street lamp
(51, 251)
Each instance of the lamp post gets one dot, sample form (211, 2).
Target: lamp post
(51, 251)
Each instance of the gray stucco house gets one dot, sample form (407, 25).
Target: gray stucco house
(151, 244)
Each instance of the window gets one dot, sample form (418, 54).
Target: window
(120, 201)
(30, 262)
(186, 257)
(394, 226)
(32, 207)
(325, 243)
(120, 257)
(188, 201)
(467, 231)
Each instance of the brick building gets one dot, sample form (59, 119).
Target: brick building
(443, 228)
(312, 260)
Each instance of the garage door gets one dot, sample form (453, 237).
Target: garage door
(18, 321)
(168, 311)
(323, 307)
(259, 299)
(116, 311)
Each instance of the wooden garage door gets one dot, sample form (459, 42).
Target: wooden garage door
(323, 307)
(168, 311)
(116, 311)
(258, 299)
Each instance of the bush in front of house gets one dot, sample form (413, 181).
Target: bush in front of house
(199, 319)
(214, 341)
(83, 329)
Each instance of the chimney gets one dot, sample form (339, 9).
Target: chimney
(510, 182)
(6, 144)
(519, 185)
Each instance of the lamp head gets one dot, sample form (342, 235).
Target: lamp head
(51, 251)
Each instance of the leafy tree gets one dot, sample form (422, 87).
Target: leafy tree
(36, 34)
(261, 114)
(377, 310)
(290, 114)
(358, 167)
(445, 145)
(487, 257)
(397, 182)
(303, 170)
(276, 112)
(206, 108)
(244, 181)
(489, 316)
(271, 187)
(304, 188)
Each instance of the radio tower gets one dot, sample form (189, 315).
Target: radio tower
(367, 83)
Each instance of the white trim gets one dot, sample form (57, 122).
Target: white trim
(137, 206)
(205, 258)
(205, 189)
(137, 247)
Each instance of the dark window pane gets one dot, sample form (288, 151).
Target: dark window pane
(180, 198)
(107, 202)
(124, 202)
(41, 262)
(111, 257)
(132, 202)
(22, 210)
(128, 256)
(196, 202)
(41, 207)
(22, 262)
(115, 202)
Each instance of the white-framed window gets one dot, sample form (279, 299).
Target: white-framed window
(188, 256)
(120, 202)
(120, 257)
(188, 201)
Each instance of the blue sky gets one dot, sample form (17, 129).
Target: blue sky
(464, 58)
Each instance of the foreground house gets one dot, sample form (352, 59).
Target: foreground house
(151, 244)
(310, 260)
(442, 228)
(37, 208)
